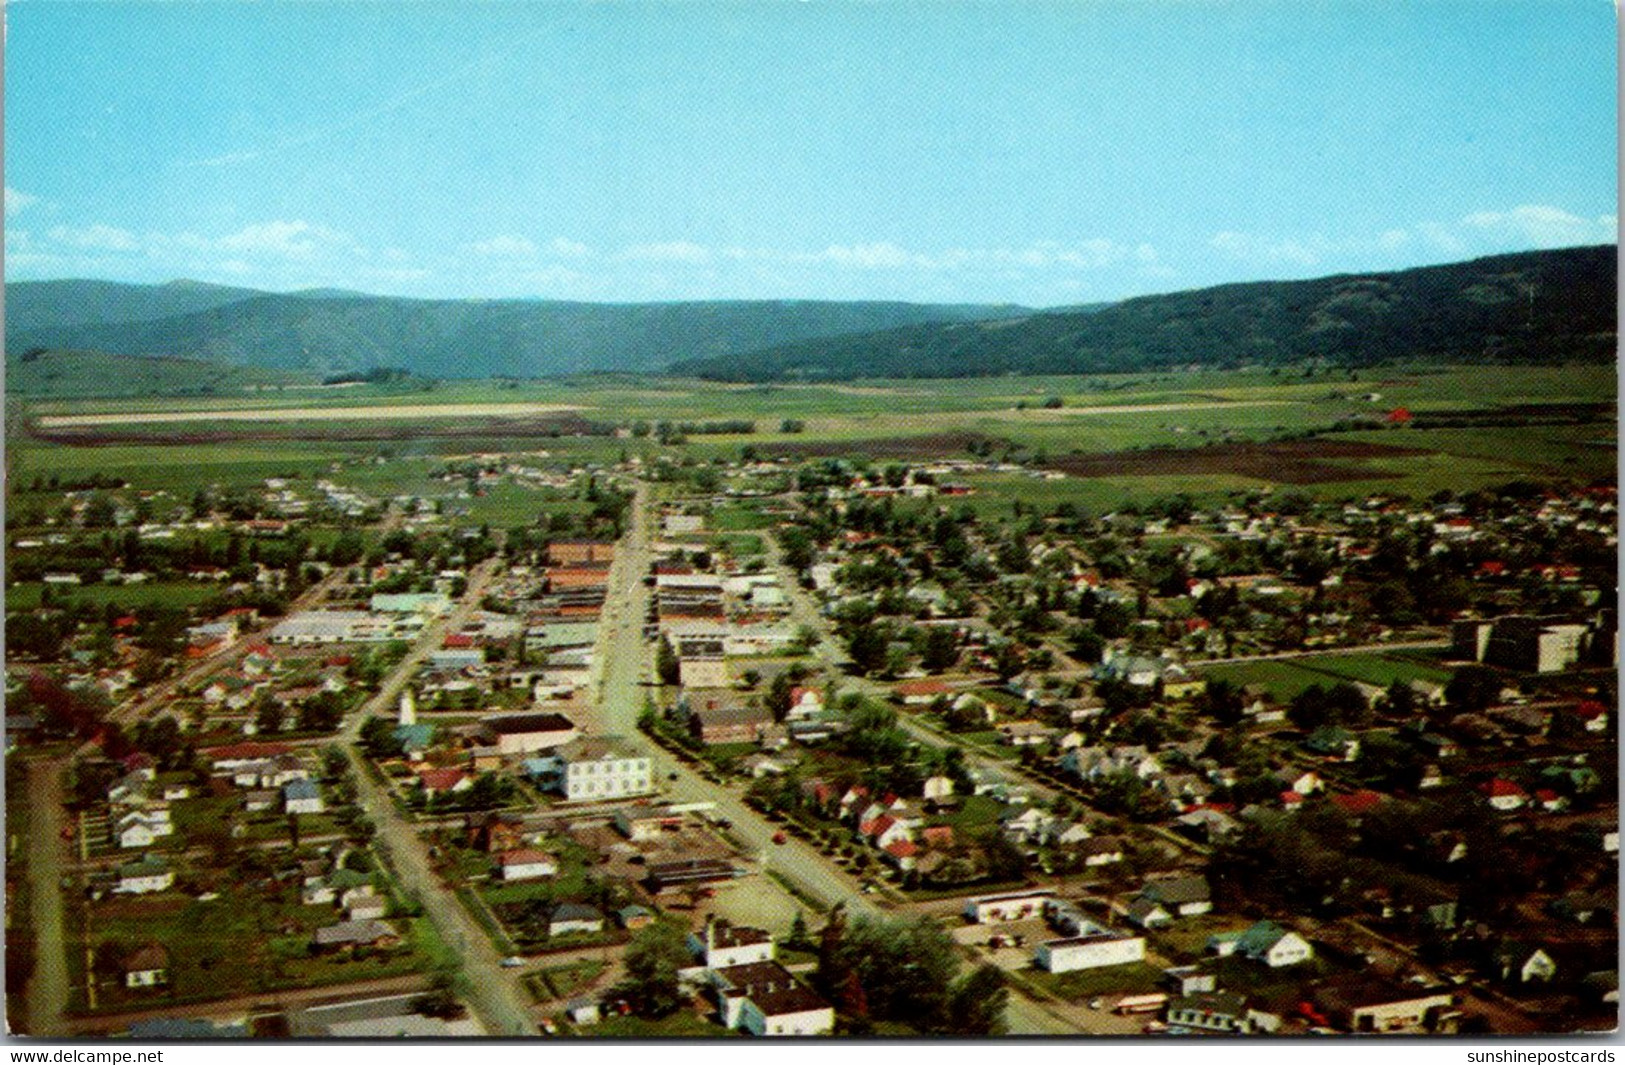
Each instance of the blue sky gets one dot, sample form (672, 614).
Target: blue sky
(1038, 153)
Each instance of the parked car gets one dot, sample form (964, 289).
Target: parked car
(780, 838)
(513, 961)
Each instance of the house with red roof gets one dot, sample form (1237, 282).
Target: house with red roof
(1357, 803)
(437, 781)
(1504, 794)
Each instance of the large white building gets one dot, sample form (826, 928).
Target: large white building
(1093, 947)
(310, 627)
(594, 768)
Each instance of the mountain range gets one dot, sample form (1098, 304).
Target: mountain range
(328, 331)
(1542, 306)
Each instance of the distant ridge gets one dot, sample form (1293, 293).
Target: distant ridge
(329, 331)
(1541, 307)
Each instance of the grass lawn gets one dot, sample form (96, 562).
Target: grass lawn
(562, 981)
(1135, 978)
(684, 1024)
(181, 594)
(1286, 678)
(243, 942)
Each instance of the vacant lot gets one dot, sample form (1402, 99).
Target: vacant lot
(305, 414)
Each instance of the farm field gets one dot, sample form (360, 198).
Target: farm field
(1118, 439)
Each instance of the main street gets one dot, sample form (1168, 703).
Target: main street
(496, 994)
(625, 665)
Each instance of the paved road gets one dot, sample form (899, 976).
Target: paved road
(248, 1005)
(159, 696)
(495, 993)
(627, 664)
(48, 987)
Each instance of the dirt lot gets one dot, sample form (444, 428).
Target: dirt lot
(927, 446)
(403, 427)
(311, 414)
(1289, 462)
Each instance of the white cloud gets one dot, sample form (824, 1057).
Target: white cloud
(566, 248)
(18, 201)
(1392, 239)
(1545, 226)
(676, 251)
(881, 255)
(504, 247)
(1255, 249)
(287, 239)
(96, 238)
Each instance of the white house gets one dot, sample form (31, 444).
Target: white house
(721, 945)
(526, 864)
(146, 966)
(574, 917)
(143, 877)
(140, 828)
(1265, 941)
(763, 999)
(301, 797)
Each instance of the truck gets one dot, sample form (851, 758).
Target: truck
(1141, 1003)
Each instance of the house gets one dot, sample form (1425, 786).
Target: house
(144, 877)
(1188, 980)
(526, 864)
(1209, 1011)
(1098, 852)
(634, 917)
(1148, 913)
(1091, 946)
(1503, 794)
(805, 703)
(1025, 733)
(301, 797)
(937, 788)
(350, 935)
(568, 917)
(1524, 964)
(1184, 896)
(443, 781)
(140, 828)
(720, 945)
(1269, 943)
(1017, 906)
(762, 998)
(583, 1012)
(919, 692)
(146, 966)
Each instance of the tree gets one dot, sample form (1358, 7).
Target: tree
(269, 718)
(867, 646)
(652, 960)
(667, 665)
(976, 1003)
(940, 649)
(1472, 688)
(777, 700)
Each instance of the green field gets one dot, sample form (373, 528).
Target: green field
(1286, 678)
(908, 419)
